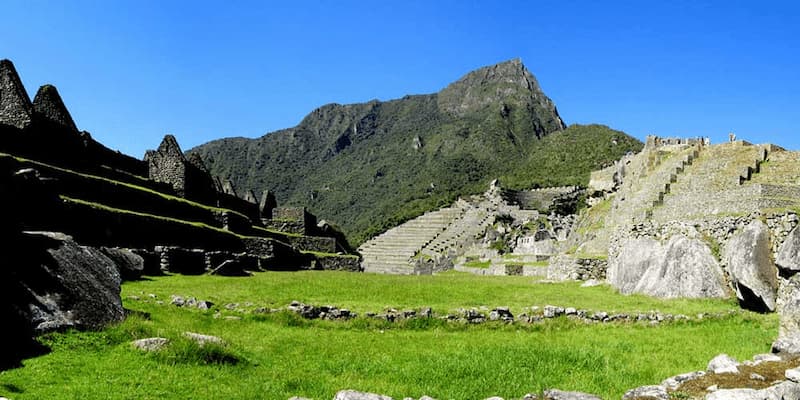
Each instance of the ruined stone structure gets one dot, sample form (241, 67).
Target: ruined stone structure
(48, 107)
(683, 209)
(562, 200)
(111, 212)
(188, 179)
(15, 106)
(462, 233)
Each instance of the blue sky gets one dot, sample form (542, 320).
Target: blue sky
(133, 71)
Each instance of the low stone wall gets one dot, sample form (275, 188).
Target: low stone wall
(337, 263)
(313, 243)
(566, 267)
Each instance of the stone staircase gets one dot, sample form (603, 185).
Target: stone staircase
(392, 251)
(715, 183)
(461, 233)
(651, 177)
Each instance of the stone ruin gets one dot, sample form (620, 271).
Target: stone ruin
(82, 218)
(16, 109)
(528, 223)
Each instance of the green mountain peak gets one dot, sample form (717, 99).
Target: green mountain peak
(368, 166)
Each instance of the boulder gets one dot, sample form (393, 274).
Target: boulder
(47, 283)
(354, 395)
(69, 285)
(555, 394)
(129, 264)
(736, 394)
(788, 257)
(782, 391)
(653, 392)
(788, 305)
(787, 345)
(748, 256)
(723, 364)
(682, 267)
(793, 374)
(635, 258)
(150, 344)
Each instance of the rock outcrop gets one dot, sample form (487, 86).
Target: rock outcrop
(748, 257)
(682, 267)
(50, 283)
(789, 308)
(788, 257)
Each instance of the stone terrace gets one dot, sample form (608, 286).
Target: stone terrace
(58, 179)
(650, 177)
(731, 179)
(392, 251)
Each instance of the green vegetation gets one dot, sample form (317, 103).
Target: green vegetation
(478, 264)
(444, 293)
(281, 355)
(368, 167)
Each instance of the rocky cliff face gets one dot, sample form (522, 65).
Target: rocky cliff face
(369, 166)
(508, 85)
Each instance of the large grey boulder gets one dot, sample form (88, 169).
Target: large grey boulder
(682, 267)
(788, 257)
(723, 364)
(76, 286)
(749, 259)
(635, 258)
(787, 345)
(354, 395)
(786, 390)
(48, 282)
(789, 309)
(736, 394)
(129, 264)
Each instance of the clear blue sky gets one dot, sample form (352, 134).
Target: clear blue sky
(132, 71)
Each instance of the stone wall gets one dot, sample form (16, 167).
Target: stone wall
(716, 230)
(49, 108)
(337, 263)
(313, 243)
(297, 215)
(15, 106)
(288, 226)
(566, 267)
(542, 199)
(168, 165)
(653, 141)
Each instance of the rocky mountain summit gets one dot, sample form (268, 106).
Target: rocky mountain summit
(369, 166)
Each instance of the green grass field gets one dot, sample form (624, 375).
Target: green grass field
(276, 356)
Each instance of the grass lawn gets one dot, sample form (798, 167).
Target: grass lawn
(280, 355)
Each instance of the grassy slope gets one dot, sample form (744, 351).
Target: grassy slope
(283, 356)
